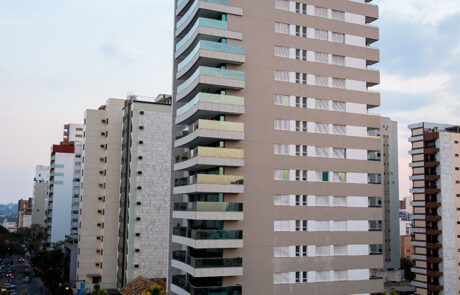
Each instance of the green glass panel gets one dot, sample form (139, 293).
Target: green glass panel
(325, 176)
(285, 174)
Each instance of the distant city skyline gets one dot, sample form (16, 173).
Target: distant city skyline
(59, 58)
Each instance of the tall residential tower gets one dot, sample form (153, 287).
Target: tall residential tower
(100, 194)
(390, 201)
(272, 182)
(436, 204)
(145, 189)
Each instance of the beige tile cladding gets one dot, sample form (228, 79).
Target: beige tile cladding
(91, 220)
(259, 39)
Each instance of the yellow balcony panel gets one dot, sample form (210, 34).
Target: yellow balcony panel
(220, 152)
(221, 125)
(218, 179)
(208, 157)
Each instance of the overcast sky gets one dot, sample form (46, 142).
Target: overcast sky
(58, 58)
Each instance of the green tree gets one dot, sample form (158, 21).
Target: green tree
(97, 290)
(155, 290)
(406, 265)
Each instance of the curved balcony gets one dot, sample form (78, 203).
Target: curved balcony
(208, 239)
(208, 105)
(212, 9)
(209, 183)
(212, 79)
(211, 54)
(208, 157)
(205, 29)
(180, 286)
(207, 267)
(205, 132)
(208, 211)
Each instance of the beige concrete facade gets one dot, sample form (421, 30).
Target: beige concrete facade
(99, 197)
(325, 244)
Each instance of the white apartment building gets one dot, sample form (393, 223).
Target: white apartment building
(99, 196)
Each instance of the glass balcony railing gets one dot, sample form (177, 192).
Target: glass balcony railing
(214, 46)
(212, 72)
(211, 125)
(180, 281)
(202, 22)
(375, 202)
(209, 179)
(209, 207)
(212, 98)
(373, 156)
(373, 132)
(202, 151)
(374, 179)
(207, 262)
(204, 234)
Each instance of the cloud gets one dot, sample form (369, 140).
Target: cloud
(108, 50)
(433, 82)
(428, 12)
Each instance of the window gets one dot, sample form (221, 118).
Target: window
(282, 100)
(301, 8)
(282, 4)
(282, 51)
(281, 174)
(320, 11)
(322, 201)
(340, 275)
(301, 102)
(282, 76)
(338, 60)
(338, 83)
(281, 200)
(338, 37)
(321, 57)
(321, 35)
(139, 157)
(281, 278)
(282, 28)
(301, 225)
(325, 176)
(300, 54)
(323, 226)
(322, 251)
(321, 81)
(339, 106)
(301, 78)
(339, 129)
(322, 104)
(301, 200)
(301, 31)
(340, 250)
(281, 225)
(338, 15)
(281, 252)
(339, 201)
(322, 276)
(339, 153)
(322, 128)
(301, 277)
(281, 149)
(339, 225)
(282, 125)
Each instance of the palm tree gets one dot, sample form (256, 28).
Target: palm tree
(155, 290)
